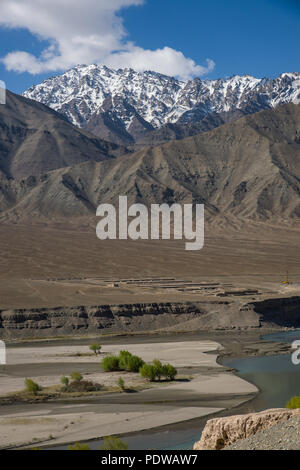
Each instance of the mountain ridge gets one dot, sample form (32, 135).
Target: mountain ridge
(125, 106)
(245, 170)
(35, 139)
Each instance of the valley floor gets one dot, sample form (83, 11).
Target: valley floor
(58, 266)
(209, 389)
(49, 266)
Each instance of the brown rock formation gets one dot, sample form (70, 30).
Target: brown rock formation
(221, 432)
(35, 322)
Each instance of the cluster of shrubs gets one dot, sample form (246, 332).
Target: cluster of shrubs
(130, 363)
(76, 384)
(157, 370)
(125, 361)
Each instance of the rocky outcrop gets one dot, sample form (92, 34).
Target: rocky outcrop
(283, 312)
(221, 432)
(282, 436)
(169, 316)
(46, 322)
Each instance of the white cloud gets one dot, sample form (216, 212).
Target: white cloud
(85, 32)
(166, 60)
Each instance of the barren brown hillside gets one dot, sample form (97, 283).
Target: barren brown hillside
(246, 173)
(248, 169)
(35, 139)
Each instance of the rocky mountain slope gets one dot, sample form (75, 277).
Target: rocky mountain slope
(35, 139)
(124, 106)
(248, 169)
(177, 131)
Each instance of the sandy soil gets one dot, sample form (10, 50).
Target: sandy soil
(74, 427)
(45, 266)
(118, 413)
(182, 354)
(21, 361)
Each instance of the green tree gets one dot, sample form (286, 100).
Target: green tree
(158, 369)
(147, 371)
(76, 376)
(134, 364)
(96, 348)
(124, 357)
(32, 387)
(169, 371)
(121, 383)
(113, 443)
(129, 362)
(65, 382)
(110, 363)
(293, 403)
(79, 446)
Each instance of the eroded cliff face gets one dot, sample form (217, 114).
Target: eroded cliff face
(282, 312)
(42, 322)
(188, 316)
(222, 432)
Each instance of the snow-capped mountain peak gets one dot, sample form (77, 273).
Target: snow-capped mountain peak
(131, 99)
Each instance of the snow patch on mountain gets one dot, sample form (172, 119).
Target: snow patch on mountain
(86, 91)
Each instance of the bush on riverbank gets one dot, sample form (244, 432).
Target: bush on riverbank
(65, 383)
(84, 386)
(121, 383)
(79, 446)
(110, 364)
(157, 370)
(110, 443)
(148, 372)
(293, 403)
(169, 371)
(125, 361)
(96, 348)
(78, 384)
(76, 376)
(32, 387)
(129, 362)
(113, 443)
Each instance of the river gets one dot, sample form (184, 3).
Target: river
(277, 378)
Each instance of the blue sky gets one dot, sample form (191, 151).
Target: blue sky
(258, 37)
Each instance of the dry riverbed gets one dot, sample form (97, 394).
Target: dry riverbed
(204, 391)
